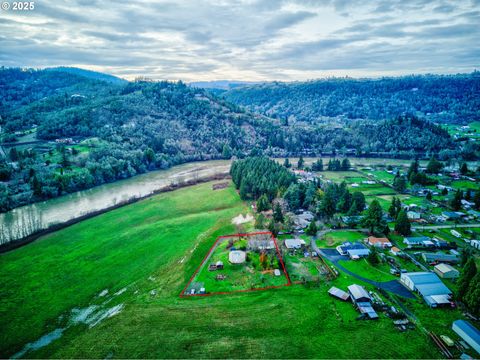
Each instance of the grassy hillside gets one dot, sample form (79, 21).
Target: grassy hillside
(151, 248)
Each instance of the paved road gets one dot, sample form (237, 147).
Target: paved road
(392, 286)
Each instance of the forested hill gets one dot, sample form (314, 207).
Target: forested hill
(452, 99)
(75, 132)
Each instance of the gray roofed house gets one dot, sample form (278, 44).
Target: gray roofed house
(469, 333)
(354, 250)
(417, 241)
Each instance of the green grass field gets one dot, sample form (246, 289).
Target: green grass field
(335, 238)
(145, 253)
(363, 268)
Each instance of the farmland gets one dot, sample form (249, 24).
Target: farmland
(150, 249)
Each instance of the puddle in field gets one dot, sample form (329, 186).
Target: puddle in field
(98, 317)
(43, 341)
(91, 315)
(120, 292)
(81, 315)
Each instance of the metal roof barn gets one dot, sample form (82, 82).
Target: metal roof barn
(429, 285)
(358, 293)
(469, 333)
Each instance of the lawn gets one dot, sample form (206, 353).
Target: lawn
(335, 238)
(144, 254)
(339, 176)
(464, 185)
(363, 268)
(373, 189)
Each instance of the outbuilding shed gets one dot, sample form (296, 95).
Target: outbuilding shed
(446, 271)
(338, 293)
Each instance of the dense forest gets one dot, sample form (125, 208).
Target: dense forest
(63, 130)
(452, 99)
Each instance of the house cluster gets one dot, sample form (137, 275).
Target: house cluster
(429, 286)
(354, 250)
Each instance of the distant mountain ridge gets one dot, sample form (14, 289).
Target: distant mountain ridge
(223, 84)
(95, 75)
(438, 98)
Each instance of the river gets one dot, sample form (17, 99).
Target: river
(26, 220)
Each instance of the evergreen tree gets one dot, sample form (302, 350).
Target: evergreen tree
(359, 199)
(260, 222)
(277, 214)
(392, 210)
(413, 169)
(36, 186)
(456, 202)
(468, 195)
(372, 257)
(402, 225)
(14, 154)
(287, 164)
(273, 228)
(262, 203)
(476, 200)
(301, 162)
(400, 183)
(327, 206)
(312, 229)
(317, 165)
(429, 196)
(468, 273)
(353, 211)
(345, 164)
(226, 152)
(444, 191)
(373, 218)
(472, 296)
(434, 166)
(345, 202)
(464, 169)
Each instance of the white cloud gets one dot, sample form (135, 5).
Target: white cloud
(250, 40)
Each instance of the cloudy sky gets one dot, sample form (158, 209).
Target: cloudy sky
(245, 39)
